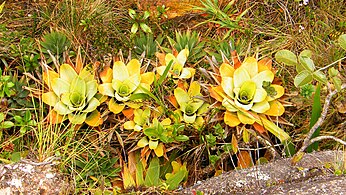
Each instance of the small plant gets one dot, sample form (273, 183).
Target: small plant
(123, 83)
(173, 66)
(145, 44)
(188, 40)
(249, 95)
(54, 44)
(72, 93)
(190, 107)
(6, 86)
(139, 21)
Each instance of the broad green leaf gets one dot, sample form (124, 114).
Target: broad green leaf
(307, 63)
(151, 132)
(134, 28)
(132, 13)
(302, 78)
(306, 52)
(145, 27)
(174, 181)
(139, 174)
(152, 177)
(7, 124)
(315, 114)
(2, 116)
(332, 72)
(342, 41)
(337, 83)
(287, 57)
(181, 138)
(146, 15)
(320, 76)
(15, 157)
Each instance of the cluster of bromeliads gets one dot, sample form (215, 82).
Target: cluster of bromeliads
(247, 92)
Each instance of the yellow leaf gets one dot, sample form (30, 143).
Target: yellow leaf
(159, 150)
(129, 125)
(114, 107)
(128, 180)
(265, 64)
(276, 109)
(245, 119)
(94, 119)
(226, 70)
(231, 119)
(147, 78)
(216, 93)
(142, 142)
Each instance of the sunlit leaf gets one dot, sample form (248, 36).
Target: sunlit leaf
(152, 177)
(320, 76)
(307, 63)
(302, 78)
(287, 57)
(342, 41)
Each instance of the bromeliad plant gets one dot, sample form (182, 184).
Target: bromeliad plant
(175, 65)
(123, 81)
(72, 93)
(190, 105)
(249, 95)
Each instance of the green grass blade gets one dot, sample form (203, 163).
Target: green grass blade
(316, 113)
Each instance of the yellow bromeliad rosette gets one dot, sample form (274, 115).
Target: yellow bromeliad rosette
(72, 93)
(121, 82)
(248, 94)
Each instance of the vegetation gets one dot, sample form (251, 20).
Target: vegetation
(128, 99)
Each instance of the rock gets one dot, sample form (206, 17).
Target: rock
(309, 176)
(27, 177)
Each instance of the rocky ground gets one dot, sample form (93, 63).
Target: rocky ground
(314, 174)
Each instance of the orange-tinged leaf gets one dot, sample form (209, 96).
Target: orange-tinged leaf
(106, 75)
(128, 113)
(54, 118)
(173, 101)
(215, 93)
(161, 58)
(276, 109)
(244, 159)
(94, 119)
(246, 135)
(234, 143)
(217, 173)
(265, 64)
(147, 78)
(235, 59)
(231, 119)
(132, 164)
(79, 62)
(259, 128)
(48, 77)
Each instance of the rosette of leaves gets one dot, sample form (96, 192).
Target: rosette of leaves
(72, 93)
(158, 133)
(188, 40)
(138, 21)
(54, 43)
(140, 120)
(174, 66)
(249, 95)
(122, 82)
(145, 43)
(191, 106)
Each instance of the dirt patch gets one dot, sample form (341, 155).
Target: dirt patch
(309, 176)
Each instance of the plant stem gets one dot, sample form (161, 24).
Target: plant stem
(331, 64)
(307, 140)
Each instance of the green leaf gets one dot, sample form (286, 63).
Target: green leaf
(315, 114)
(306, 52)
(320, 76)
(307, 63)
(337, 83)
(174, 181)
(164, 75)
(287, 57)
(181, 138)
(146, 15)
(151, 132)
(2, 116)
(302, 78)
(7, 124)
(15, 157)
(332, 72)
(153, 173)
(145, 27)
(134, 28)
(132, 13)
(139, 96)
(342, 41)
(139, 174)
